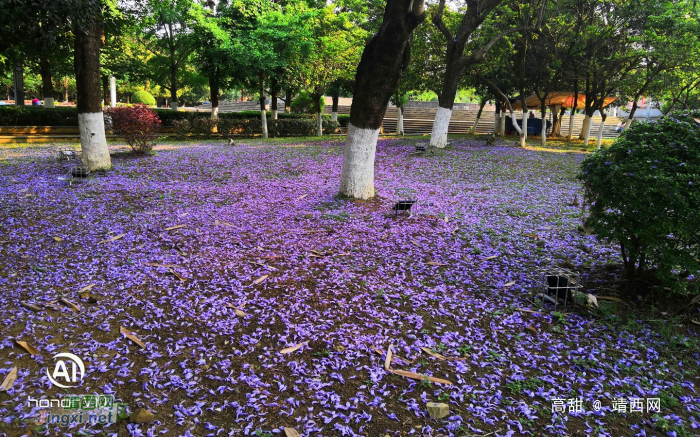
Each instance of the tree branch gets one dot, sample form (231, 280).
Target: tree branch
(479, 55)
(437, 21)
(498, 91)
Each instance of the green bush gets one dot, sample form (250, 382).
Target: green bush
(38, 116)
(182, 129)
(344, 119)
(305, 104)
(645, 196)
(330, 127)
(143, 97)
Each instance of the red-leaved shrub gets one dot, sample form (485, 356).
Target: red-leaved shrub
(137, 124)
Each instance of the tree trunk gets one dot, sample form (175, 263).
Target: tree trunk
(586, 131)
(334, 109)
(600, 129)
(630, 117)
(319, 113)
(502, 123)
(263, 113)
(19, 84)
(557, 114)
(383, 61)
(288, 101)
(496, 119)
(173, 82)
(214, 94)
(399, 121)
(46, 82)
(572, 114)
(478, 115)
(523, 137)
(543, 139)
(105, 90)
(274, 95)
(446, 101)
(66, 83)
(88, 40)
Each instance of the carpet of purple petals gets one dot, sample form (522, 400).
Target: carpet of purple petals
(342, 277)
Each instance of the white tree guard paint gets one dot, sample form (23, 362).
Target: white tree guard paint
(357, 175)
(48, 103)
(93, 141)
(263, 120)
(399, 121)
(476, 123)
(173, 106)
(438, 137)
(319, 124)
(600, 135)
(543, 133)
(588, 133)
(215, 113)
(628, 123)
(585, 127)
(523, 137)
(113, 91)
(274, 114)
(334, 116)
(571, 126)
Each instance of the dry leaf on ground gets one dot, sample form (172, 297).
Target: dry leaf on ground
(289, 350)
(291, 432)
(260, 279)
(435, 263)
(9, 379)
(115, 238)
(131, 336)
(172, 228)
(73, 307)
(419, 377)
(30, 306)
(27, 347)
(387, 361)
(510, 284)
(433, 354)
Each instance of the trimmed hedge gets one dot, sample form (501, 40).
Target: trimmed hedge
(11, 115)
(68, 116)
(229, 127)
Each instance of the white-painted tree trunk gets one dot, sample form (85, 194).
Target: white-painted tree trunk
(93, 141)
(544, 127)
(357, 175)
(334, 116)
(215, 113)
(319, 124)
(628, 123)
(588, 132)
(173, 106)
(438, 137)
(113, 91)
(274, 114)
(523, 137)
(600, 134)
(571, 126)
(48, 103)
(263, 120)
(399, 121)
(502, 124)
(586, 126)
(476, 123)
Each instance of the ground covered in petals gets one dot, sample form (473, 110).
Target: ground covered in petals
(221, 258)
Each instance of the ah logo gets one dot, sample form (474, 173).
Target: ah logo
(60, 371)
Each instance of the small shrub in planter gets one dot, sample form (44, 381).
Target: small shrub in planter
(645, 196)
(137, 124)
(330, 127)
(143, 97)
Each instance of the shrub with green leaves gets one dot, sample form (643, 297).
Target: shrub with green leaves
(143, 97)
(645, 196)
(305, 103)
